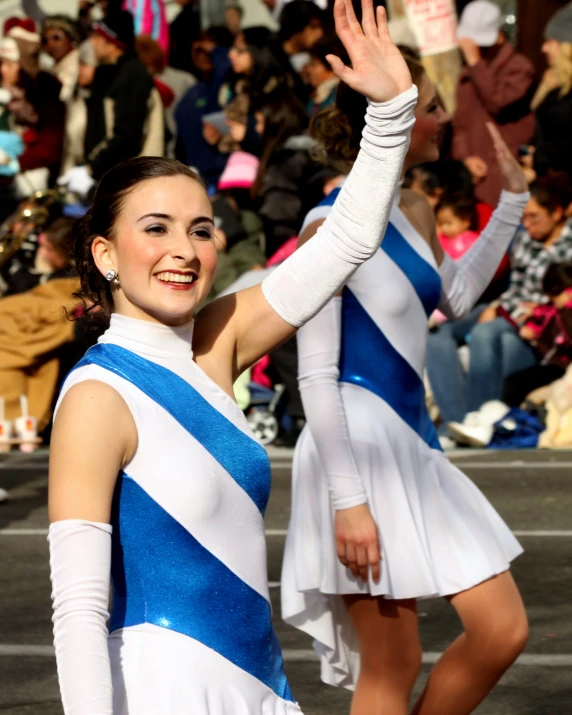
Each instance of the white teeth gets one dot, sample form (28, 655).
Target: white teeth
(168, 277)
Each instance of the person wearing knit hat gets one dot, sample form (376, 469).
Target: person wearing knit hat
(240, 171)
(124, 97)
(552, 102)
(60, 40)
(28, 42)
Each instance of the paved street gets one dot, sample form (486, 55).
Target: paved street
(532, 491)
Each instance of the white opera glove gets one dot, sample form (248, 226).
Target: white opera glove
(351, 234)
(80, 563)
(318, 373)
(464, 281)
(77, 180)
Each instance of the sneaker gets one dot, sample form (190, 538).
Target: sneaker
(446, 442)
(3, 495)
(471, 436)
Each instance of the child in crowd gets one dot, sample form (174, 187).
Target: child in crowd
(457, 224)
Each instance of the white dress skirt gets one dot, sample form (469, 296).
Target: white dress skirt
(439, 534)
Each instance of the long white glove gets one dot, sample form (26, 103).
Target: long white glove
(318, 373)
(80, 562)
(464, 281)
(77, 180)
(351, 234)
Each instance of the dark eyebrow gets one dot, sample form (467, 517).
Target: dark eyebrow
(156, 215)
(202, 219)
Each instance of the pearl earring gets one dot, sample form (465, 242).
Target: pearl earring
(112, 277)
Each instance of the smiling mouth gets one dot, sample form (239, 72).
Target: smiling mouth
(181, 278)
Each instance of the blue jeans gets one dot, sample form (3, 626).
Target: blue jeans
(446, 375)
(497, 350)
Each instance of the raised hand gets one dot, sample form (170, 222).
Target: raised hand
(513, 177)
(378, 69)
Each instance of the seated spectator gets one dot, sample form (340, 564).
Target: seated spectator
(457, 225)
(495, 86)
(320, 77)
(34, 110)
(76, 110)
(496, 348)
(124, 111)
(549, 331)
(282, 186)
(210, 58)
(424, 181)
(552, 102)
(171, 83)
(60, 40)
(33, 328)
(302, 24)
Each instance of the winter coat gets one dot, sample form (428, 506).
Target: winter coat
(498, 91)
(553, 137)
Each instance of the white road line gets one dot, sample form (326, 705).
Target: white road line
(304, 655)
(563, 533)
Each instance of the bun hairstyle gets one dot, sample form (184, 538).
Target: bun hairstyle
(338, 129)
(102, 217)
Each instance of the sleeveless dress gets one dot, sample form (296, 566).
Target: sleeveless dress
(439, 534)
(190, 630)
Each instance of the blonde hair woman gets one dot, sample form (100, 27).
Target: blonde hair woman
(552, 102)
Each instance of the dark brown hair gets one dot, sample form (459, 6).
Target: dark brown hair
(552, 191)
(463, 207)
(102, 217)
(557, 278)
(338, 129)
(59, 235)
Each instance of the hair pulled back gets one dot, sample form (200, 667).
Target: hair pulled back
(552, 191)
(338, 129)
(101, 220)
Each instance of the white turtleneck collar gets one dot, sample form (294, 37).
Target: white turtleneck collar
(145, 337)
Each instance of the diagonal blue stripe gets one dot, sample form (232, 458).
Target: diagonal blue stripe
(368, 359)
(242, 457)
(162, 575)
(424, 278)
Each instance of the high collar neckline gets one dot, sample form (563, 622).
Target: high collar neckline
(152, 337)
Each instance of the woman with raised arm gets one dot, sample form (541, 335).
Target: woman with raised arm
(155, 477)
(380, 517)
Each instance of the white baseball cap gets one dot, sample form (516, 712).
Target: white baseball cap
(480, 21)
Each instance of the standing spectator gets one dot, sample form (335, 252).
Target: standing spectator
(184, 30)
(495, 86)
(171, 83)
(35, 110)
(553, 100)
(210, 58)
(150, 19)
(119, 110)
(60, 40)
(301, 26)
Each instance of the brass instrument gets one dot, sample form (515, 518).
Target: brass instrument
(32, 215)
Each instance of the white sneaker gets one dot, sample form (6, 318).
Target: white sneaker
(446, 442)
(492, 411)
(472, 436)
(3, 495)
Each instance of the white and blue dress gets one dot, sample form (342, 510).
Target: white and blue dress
(439, 535)
(190, 628)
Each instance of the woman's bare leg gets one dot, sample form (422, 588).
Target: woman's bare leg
(390, 654)
(496, 630)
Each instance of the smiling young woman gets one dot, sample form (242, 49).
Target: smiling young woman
(155, 477)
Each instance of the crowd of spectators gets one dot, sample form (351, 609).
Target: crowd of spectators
(78, 95)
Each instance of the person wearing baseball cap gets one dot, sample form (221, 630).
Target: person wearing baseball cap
(118, 113)
(496, 86)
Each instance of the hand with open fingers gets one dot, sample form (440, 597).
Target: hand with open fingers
(357, 541)
(378, 69)
(513, 176)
